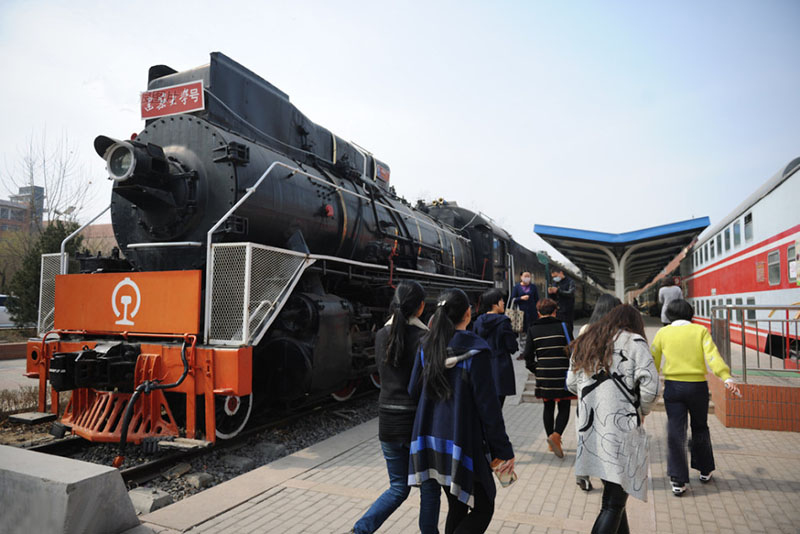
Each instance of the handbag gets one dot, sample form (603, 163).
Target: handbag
(516, 315)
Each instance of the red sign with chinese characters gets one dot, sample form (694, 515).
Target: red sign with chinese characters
(172, 100)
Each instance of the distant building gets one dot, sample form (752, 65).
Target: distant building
(31, 197)
(98, 238)
(22, 209)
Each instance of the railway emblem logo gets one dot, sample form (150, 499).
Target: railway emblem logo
(126, 301)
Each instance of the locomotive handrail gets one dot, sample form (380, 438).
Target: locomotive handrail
(293, 171)
(210, 237)
(64, 261)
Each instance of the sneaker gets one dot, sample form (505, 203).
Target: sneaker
(554, 440)
(705, 478)
(584, 483)
(678, 488)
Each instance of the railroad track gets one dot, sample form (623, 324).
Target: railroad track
(142, 473)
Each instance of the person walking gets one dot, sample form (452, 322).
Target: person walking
(685, 348)
(493, 326)
(666, 294)
(396, 345)
(547, 358)
(459, 422)
(562, 290)
(616, 380)
(525, 295)
(605, 303)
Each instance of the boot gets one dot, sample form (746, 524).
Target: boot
(554, 440)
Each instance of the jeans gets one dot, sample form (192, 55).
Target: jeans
(396, 455)
(612, 518)
(682, 399)
(560, 421)
(462, 520)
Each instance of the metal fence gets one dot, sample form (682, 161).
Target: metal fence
(250, 283)
(769, 336)
(51, 266)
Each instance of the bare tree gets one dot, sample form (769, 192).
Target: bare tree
(55, 167)
(68, 190)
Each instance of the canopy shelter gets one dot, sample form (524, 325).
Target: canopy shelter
(622, 261)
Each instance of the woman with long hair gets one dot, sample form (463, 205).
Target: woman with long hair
(459, 420)
(616, 380)
(396, 345)
(493, 326)
(605, 303)
(547, 357)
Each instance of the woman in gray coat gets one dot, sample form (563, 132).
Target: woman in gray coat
(616, 381)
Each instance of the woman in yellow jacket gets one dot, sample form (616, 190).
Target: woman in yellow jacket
(685, 348)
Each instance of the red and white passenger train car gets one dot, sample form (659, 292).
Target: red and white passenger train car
(750, 258)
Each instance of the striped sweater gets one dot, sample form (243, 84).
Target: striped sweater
(547, 357)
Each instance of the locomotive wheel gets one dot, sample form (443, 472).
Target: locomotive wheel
(375, 378)
(232, 414)
(346, 392)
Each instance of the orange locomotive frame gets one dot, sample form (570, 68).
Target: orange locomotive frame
(167, 312)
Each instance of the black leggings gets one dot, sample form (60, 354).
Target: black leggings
(612, 518)
(562, 419)
(462, 520)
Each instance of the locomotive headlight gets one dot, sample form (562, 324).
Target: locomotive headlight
(120, 157)
(120, 162)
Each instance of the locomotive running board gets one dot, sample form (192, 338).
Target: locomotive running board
(250, 283)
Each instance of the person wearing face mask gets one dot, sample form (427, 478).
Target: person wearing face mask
(525, 296)
(562, 290)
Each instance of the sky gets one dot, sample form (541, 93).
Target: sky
(609, 116)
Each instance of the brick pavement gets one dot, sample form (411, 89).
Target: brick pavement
(327, 487)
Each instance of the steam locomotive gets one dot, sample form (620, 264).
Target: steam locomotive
(260, 254)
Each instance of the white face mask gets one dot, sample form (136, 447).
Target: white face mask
(526, 280)
(557, 279)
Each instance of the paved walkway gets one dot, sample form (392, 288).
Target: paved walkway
(12, 375)
(326, 488)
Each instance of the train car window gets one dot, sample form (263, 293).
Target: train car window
(774, 267)
(737, 234)
(719, 244)
(791, 263)
(711, 249)
(727, 239)
(739, 312)
(751, 314)
(748, 227)
(704, 250)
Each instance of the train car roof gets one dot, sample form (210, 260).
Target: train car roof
(766, 188)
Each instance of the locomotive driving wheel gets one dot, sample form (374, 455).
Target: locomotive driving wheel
(375, 378)
(232, 414)
(346, 392)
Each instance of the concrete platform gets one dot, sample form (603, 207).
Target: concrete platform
(48, 494)
(327, 487)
